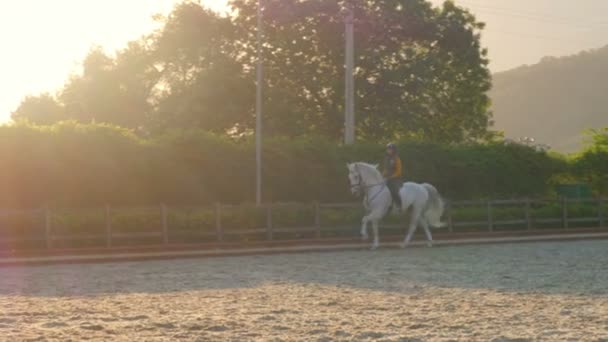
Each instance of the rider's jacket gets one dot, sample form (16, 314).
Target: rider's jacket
(392, 167)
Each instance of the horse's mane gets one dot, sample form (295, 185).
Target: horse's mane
(371, 168)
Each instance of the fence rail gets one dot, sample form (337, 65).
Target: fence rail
(46, 228)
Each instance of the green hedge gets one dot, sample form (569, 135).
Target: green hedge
(72, 164)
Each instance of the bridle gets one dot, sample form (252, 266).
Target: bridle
(361, 186)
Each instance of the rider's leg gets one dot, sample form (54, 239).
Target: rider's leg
(395, 186)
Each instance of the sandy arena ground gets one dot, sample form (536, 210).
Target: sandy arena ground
(541, 291)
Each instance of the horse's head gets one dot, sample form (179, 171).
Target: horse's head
(354, 177)
(360, 175)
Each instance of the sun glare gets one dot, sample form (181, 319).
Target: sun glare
(44, 41)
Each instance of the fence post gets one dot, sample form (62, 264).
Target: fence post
(600, 211)
(317, 210)
(528, 219)
(490, 218)
(108, 227)
(218, 222)
(47, 227)
(165, 232)
(565, 212)
(269, 234)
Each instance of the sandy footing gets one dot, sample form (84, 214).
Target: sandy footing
(528, 292)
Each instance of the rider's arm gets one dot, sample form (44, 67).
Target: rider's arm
(386, 168)
(398, 169)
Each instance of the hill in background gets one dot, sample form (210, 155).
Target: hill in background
(555, 100)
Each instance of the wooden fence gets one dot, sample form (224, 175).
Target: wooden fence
(164, 225)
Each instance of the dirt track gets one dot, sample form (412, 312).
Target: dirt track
(542, 291)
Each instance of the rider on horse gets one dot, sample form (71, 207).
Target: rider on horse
(393, 172)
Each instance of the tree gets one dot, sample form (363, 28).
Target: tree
(112, 90)
(592, 163)
(43, 109)
(421, 71)
(599, 139)
(183, 75)
(203, 84)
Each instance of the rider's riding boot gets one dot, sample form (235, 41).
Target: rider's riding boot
(396, 206)
(397, 201)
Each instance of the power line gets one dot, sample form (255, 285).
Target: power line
(527, 15)
(518, 11)
(538, 20)
(535, 36)
(531, 16)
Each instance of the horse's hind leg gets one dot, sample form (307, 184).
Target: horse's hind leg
(416, 211)
(427, 231)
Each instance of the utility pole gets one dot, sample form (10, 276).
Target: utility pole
(258, 111)
(349, 82)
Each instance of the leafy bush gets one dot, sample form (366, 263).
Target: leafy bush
(71, 164)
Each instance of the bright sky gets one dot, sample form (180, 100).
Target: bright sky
(42, 41)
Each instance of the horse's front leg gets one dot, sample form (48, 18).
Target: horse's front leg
(364, 221)
(376, 242)
(427, 231)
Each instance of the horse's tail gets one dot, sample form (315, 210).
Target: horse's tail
(435, 207)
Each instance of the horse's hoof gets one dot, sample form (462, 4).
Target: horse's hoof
(429, 244)
(373, 248)
(403, 245)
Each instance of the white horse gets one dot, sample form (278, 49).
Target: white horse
(427, 205)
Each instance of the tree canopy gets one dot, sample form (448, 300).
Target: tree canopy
(592, 163)
(43, 109)
(421, 73)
